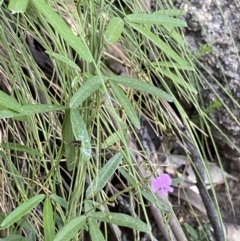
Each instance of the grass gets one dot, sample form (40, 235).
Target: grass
(65, 133)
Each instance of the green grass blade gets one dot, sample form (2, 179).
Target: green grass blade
(48, 222)
(179, 81)
(70, 229)
(59, 200)
(114, 30)
(37, 109)
(21, 210)
(68, 137)
(89, 87)
(154, 18)
(104, 175)
(15, 237)
(171, 12)
(8, 102)
(112, 139)
(62, 29)
(64, 60)
(17, 6)
(126, 104)
(121, 220)
(159, 43)
(30, 110)
(18, 147)
(81, 134)
(173, 65)
(152, 199)
(95, 232)
(142, 86)
(15, 174)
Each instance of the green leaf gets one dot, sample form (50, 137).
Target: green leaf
(114, 30)
(87, 88)
(191, 231)
(81, 134)
(90, 206)
(48, 222)
(178, 81)
(121, 220)
(18, 6)
(70, 229)
(172, 65)
(30, 110)
(64, 59)
(142, 86)
(127, 106)
(177, 37)
(59, 200)
(62, 29)
(38, 108)
(154, 19)
(170, 12)
(152, 199)
(159, 43)
(18, 147)
(15, 237)
(9, 102)
(95, 232)
(15, 174)
(68, 137)
(128, 177)
(21, 210)
(104, 175)
(112, 139)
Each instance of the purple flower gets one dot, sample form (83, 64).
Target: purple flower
(162, 184)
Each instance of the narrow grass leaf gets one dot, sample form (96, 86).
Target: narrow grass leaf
(70, 229)
(62, 29)
(59, 200)
(150, 197)
(15, 174)
(159, 43)
(104, 175)
(18, 147)
(171, 12)
(112, 139)
(86, 90)
(48, 222)
(15, 237)
(9, 102)
(68, 137)
(81, 134)
(95, 232)
(114, 30)
(17, 6)
(38, 108)
(30, 110)
(177, 37)
(192, 232)
(132, 181)
(21, 210)
(154, 18)
(142, 86)
(173, 65)
(127, 106)
(64, 59)
(121, 220)
(178, 81)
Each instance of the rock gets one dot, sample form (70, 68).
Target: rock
(218, 26)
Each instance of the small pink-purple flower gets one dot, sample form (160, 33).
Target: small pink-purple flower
(162, 184)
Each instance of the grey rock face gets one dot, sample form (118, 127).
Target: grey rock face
(217, 23)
